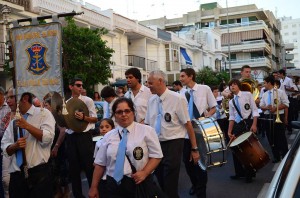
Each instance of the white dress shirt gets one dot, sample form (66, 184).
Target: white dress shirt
(92, 112)
(175, 107)
(182, 91)
(287, 82)
(282, 97)
(140, 101)
(37, 152)
(203, 97)
(139, 136)
(245, 100)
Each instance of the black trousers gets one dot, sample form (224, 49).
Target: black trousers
(167, 172)
(38, 184)
(276, 136)
(80, 150)
(293, 110)
(224, 123)
(125, 190)
(197, 176)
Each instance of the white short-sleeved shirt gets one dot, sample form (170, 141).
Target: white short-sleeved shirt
(287, 82)
(140, 101)
(203, 97)
(247, 105)
(92, 112)
(175, 115)
(37, 152)
(140, 138)
(182, 91)
(282, 97)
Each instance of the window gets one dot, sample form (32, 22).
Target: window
(286, 34)
(294, 40)
(294, 25)
(294, 33)
(216, 44)
(212, 24)
(286, 27)
(233, 57)
(245, 21)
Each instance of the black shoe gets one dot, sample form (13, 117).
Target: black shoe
(290, 132)
(249, 180)
(235, 177)
(275, 161)
(192, 191)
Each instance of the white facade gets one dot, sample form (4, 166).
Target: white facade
(290, 32)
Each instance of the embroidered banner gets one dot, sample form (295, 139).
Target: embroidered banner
(37, 59)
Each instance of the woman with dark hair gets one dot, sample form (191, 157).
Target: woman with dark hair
(96, 96)
(130, 143)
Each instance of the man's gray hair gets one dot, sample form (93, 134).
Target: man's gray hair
(159, 74)
(2, 91)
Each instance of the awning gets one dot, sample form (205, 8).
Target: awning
(252, 34)
(188, 60)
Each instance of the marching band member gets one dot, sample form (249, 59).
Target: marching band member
(241, 108)
(80, 143)
(200, 99)
(109, 95)
(245, 73)
(289, 88)
(140, 145)
(138, 93)
(177, 86)
(275, 131)
(167, 112)
(38, 130)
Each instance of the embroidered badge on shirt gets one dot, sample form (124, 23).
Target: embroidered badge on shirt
(247, 106)
(168, 117)
(138, 153)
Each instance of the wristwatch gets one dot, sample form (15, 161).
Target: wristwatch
(195, 149)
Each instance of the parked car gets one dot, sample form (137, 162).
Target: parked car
(286, 182)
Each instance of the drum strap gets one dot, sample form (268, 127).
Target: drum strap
(195, 109)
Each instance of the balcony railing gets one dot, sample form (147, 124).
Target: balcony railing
(24, 3)
(152, 65)
(259, 59)
(136, 61)
(251, 23)
(172, 66)
(2, 55)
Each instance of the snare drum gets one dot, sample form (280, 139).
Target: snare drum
(249, 151)
(210, 141)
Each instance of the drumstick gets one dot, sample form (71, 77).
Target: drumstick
(229, 142)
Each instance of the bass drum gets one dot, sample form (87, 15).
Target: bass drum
(210, 141)
(249, 151)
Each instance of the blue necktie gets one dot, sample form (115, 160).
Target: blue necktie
(238, 117)
(158, 118)
(191, 105)
(19, 152)
(218, 113)
(108, 111)
(269, 98)
(119, 169)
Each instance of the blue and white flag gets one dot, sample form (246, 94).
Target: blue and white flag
(37, 58)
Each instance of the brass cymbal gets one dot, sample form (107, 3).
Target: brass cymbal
(75, 105)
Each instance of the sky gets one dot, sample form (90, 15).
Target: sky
(150, 9)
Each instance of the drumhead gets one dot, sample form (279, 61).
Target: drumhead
(96, 138)
(240, 139)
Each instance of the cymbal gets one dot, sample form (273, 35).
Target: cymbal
(75, 105)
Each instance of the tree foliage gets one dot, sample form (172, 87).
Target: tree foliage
(85, 55)
(209, 77)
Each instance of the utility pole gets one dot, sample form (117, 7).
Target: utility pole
(229, 55)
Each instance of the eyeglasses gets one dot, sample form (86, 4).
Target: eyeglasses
(120, 112)
(78, 85)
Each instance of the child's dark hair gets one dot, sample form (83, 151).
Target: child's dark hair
(110, 122)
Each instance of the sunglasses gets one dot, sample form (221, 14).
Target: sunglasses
(120, 112)
(78, 85)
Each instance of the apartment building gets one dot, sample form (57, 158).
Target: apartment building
(252, 34)
(135, 45)
(291, 37)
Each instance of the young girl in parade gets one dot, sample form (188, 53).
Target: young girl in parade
(106, 125)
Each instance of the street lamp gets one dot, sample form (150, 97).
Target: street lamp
(229, 55)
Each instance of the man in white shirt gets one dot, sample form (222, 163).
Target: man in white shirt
(137, 92)
(167, 112)
(37, 128)
(288, 86)
(109, 95)
(203, 99)
(177, 86)
(275, 131)
(80, 143)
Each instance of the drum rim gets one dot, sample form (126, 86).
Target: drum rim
(238, 141)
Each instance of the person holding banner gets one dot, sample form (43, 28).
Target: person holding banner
(37, 128)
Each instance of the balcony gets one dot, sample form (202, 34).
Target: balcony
(253, 62)
(252, 25)
(141, 62)
(2, 56)
(289, 65)
(172, 66)
(289, 57)
(24, 3)
(289, 46)
(248, 46)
